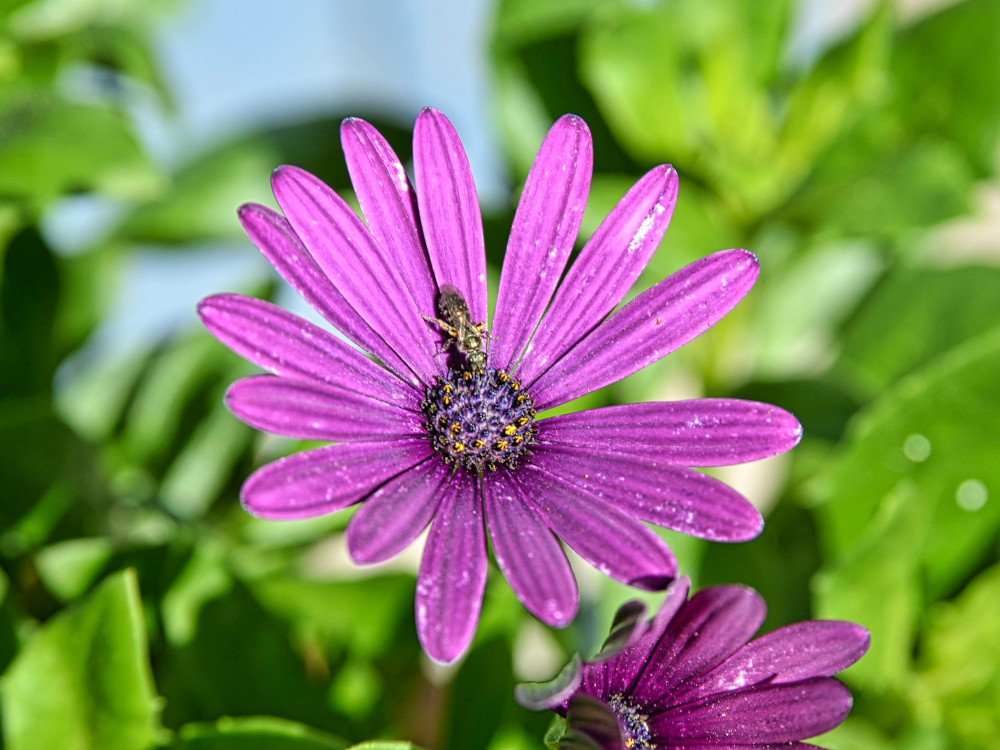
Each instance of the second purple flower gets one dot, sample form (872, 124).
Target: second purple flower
(425, 432)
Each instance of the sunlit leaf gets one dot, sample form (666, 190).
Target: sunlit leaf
(52, 147)
(253, 733)
(82, 682)
(934, 430)
(960, 660)
(69, 568)
(913, 316)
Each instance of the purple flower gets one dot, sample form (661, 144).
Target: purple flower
(692, 678)
(424, 437)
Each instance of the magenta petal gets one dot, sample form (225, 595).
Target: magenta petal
(701, 432)
(395, 514)
(358, 266)
(541, 238)
(758, 714)
(310, 411)
(529, 556)
(449, 210)
(675, 497)
(623, 669)
(320, 481)
(287, 345)
(655, 323)
(817, 648)
(606, 269)
(389, 205)
(452, 575)
(708, 629)
(275, 238)
(610, 540)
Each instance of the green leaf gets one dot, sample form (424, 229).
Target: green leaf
(555, 732)
(366, 613)
(254, 733)
(935, 430)
(82, 682)
(946, 68)
(878, 585)
(384, 745)
(891, 336)
(201, 204)
(44, 19)
(205, 677)
(68, 568)
(960, 661)
(52, 147)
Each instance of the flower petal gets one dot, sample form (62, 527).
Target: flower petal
(655, 323)
(700, 432)
(675, 497)
(395, 514)
(591, 725)
(606, 269)
(275, 238)
(389, 205)
(452, 575)
(320, 481)
(529, 556)
(552, 694)
(542, 236)
(292, 347)
(310, 411)
(817, 648)
(709, 628)
(610, 540)
(758, 714)
(358, 266)
(621, 670)
(449, 210)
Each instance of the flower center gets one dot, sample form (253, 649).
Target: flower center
(633, 722)
(479, 419)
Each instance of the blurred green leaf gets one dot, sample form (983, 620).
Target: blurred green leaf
(207, 677)
(800, 309)
(384, 745)
(202, 201)
(50, 147)
(946, 67)
(913, 316)
(523, 21)
(29, 297)
(934, 430)
(83, 681)
(872, 184)
(960, 663)
(42, 19)
(253, 733)
(478, 705)
(877, 584)
(69, 568)
(364, 615)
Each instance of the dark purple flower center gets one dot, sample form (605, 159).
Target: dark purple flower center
(479, 419)
(633, 722)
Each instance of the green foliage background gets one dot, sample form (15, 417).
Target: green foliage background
(140, 607)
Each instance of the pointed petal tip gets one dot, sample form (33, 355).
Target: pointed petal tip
(285, 173)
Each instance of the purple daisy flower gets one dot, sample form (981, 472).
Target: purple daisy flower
(427, 433)
(692, 678)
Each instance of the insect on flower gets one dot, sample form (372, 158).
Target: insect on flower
(456, 321)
